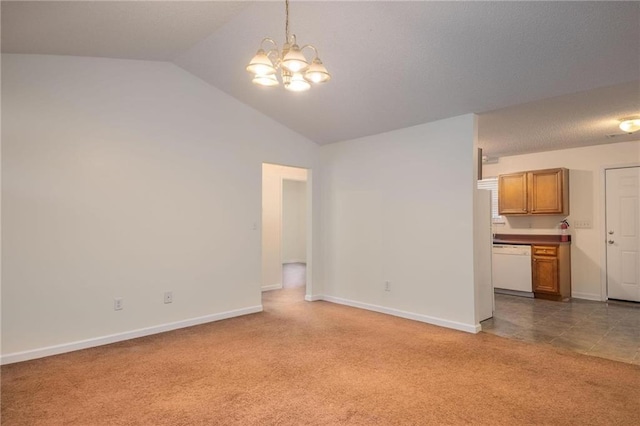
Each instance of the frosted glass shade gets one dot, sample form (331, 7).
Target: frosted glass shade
(294, 60)
(317, 73)
(261, 64)
(266, 80)
(297, 83)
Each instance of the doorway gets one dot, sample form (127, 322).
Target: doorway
(286, 228)
(622, 218)
(294, 241)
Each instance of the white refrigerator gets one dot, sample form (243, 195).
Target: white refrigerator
(482, 248)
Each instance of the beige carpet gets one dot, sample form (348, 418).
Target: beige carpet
(301, 363)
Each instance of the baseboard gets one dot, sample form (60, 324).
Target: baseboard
(313, 297)
(513, 292)
(113, 338)
(271, 287)
(294, 261)
(586, 296)
(469, 328)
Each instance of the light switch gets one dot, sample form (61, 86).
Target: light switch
(582, 224)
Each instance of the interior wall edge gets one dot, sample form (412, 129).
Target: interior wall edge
(313, 297)
(469, 328)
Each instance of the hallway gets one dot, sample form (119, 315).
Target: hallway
(294, 275)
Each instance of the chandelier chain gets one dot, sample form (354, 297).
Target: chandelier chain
(286, 25)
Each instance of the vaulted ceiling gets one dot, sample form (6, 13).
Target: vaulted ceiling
(541, 75)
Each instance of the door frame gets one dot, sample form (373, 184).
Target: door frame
(604, 296)
(309, 292)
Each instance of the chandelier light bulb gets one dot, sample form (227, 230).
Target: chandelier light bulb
(630, 125)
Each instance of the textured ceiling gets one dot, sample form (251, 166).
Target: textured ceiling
(577, 119)
(542, 75)
(111, 29)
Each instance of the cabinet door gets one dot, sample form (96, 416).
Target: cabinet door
(512, 193)
(547, 192)
(545, 274)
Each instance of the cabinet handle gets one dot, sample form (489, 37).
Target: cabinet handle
(611, 241)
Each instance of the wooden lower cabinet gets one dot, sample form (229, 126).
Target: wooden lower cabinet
(551, 271)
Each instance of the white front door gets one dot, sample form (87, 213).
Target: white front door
(623, 233)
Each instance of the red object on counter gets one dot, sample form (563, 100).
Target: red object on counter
(564, 235)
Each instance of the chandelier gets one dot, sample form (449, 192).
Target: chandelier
(295, 72)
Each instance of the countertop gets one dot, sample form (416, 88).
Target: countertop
(528, 239)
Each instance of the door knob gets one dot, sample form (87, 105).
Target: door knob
(611, 241)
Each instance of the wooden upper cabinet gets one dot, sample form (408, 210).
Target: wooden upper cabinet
(548, 192)
(534, 192)
(512, 194)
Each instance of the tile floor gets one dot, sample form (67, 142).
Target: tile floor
(604, 329)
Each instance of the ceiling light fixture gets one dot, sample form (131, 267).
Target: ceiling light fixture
(630, 125)
(296, 73)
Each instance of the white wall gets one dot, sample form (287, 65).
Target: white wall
(586, 177)
(127, 179)
(273, 176)
(398, 207)
(130, 178)
(294, 221)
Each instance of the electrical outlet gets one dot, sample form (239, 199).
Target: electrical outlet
(582, 224)
(168, 297)
(118, 303)
(387, 286)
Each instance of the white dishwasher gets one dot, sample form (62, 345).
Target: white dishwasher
(511, 268)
